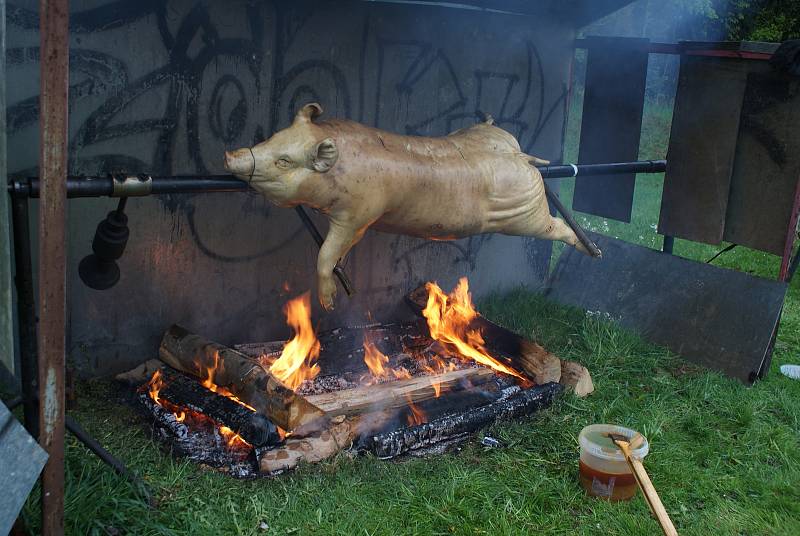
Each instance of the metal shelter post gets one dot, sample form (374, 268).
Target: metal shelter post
(53, 125)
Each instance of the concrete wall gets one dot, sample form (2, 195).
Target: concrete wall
(165, 87)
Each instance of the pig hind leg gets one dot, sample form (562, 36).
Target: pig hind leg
(558, 230)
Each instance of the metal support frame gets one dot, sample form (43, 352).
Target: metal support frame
(789, 265)
(53, 126)
(26, 311)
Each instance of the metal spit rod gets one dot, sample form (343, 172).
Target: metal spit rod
(142, 185)
(122, 185)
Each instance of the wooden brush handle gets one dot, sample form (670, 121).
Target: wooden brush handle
(649, 491)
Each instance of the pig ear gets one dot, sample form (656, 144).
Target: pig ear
(308, 112)
(324, 155)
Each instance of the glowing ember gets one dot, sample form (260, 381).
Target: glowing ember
(401, 373)
(296, 363)
(232, 438)
(449, 318)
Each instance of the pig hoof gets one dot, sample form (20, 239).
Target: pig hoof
(327, 293)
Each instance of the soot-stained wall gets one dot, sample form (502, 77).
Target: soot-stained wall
(165, 87)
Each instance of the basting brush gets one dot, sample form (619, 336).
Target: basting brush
(649, 491)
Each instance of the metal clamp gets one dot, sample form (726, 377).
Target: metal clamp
(131, 185)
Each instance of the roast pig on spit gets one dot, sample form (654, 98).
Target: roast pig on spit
(475, 180)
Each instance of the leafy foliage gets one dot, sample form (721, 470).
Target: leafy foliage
(749, 20)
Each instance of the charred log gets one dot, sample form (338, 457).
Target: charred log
(391, 444)
(200, 442)
(253, 427)
(241, 375)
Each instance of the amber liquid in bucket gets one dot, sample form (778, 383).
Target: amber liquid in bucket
(611, 486)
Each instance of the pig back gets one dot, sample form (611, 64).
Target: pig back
(476, 138)
(445, 187)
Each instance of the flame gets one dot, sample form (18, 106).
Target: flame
(296, 363)
(415, 415)
(449, 318)
(154, 385)
(375, 359)
(180, 417)
(211, 372)
(439, 366)
(208, 381)
(232, 438)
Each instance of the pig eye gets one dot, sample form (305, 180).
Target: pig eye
(283, 163)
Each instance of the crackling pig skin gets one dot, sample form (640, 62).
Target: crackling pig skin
(475, 180)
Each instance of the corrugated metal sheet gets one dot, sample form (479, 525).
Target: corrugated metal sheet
(21, 461)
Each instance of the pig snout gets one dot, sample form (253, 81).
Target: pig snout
(240, 162)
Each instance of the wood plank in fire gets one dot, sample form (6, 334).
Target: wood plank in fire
(397, 394)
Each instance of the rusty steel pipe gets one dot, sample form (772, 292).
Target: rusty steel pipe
(53, 124)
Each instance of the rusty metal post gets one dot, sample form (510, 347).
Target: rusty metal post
(53, 125)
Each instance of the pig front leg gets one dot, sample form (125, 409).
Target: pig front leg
(341, 237)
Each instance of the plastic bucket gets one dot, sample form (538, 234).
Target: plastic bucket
(603, 469)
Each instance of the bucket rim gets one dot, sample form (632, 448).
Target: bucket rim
(598, 451)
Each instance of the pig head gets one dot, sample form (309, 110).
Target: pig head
(475, 180)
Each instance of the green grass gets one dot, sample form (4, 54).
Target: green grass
(725, 458)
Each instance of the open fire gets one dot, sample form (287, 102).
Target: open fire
(296, 363)
(435, 378)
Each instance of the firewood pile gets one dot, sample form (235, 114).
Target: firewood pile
(385, 389)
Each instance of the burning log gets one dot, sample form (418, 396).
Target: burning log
(253, 427)
(394, 395)
(203, 446)
(536, 362)
(244, 377)
(525, 402)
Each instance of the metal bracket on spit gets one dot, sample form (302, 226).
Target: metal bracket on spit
(131, 185)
